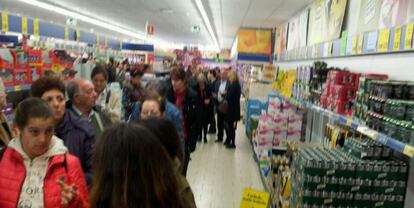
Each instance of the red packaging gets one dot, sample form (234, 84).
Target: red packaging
(324, 101)
(376, 76)
(344, 92)
(6, 68)
(341, 106)
(22, 72)
(339, 77)
(354, 79)
(35, 58)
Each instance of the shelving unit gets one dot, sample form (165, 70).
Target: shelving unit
(18, 88)
(381, 138)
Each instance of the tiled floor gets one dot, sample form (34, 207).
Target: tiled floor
(218, 175)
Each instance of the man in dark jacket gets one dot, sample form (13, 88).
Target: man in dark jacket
(187, 101)
(212, 83)
(82, 100)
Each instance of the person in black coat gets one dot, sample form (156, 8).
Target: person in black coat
(220, 94)
(186, 100)
(205, 104)
(212, 83)
(233, 114)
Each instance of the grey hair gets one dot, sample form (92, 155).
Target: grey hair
(159, 86)
(73, 89)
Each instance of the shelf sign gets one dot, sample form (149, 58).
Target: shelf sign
(397, 39)
(383, 41)
(77, 34)
(254, 199)
(97, 39)
(354, 45)
(36, 27)
(4, 21)
(408, 150)
(66, 33)
(344, 38)
(408, 36)
(24, 25)
(360, 43)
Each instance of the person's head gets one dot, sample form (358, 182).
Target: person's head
(201, 79)
(223, 74)
(34, 119)
(111, 61)
(136, 76)
(147, 69)
(211, 75)
(178, 80)
(133, 170)
(51, 90)
(3, 95)
(158, 86)
(233, 77)
(152, 105)
(99, 77)
(82, 94)
(167, 134)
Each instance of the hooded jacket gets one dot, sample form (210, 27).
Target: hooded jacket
(33, 182)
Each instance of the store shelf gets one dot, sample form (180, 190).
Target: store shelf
(18, 88)
(381, 138)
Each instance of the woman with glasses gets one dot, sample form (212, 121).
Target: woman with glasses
(35, 168)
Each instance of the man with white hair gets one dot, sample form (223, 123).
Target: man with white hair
(82, 100)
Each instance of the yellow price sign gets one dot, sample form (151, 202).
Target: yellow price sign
(106, 41)
(56, 68)
(24, 25)
(4, 21)
(360, 43)
(97, 39)
(397, 39)
(306, 52)
(36, 27)
(354, 45)
(66, 33)
(254, 199)
(77, 35)
(383, 41)
(17, 88)
(408, 150)
(408, 36)
(349, 121)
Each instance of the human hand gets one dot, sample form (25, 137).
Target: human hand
(207, 101)
(69, 192)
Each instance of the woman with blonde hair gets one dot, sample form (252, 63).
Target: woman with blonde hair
(233, 114)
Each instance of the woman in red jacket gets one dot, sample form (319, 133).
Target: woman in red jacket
(35, 169)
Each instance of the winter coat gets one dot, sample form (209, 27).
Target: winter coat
(189, 111)
(204, 111)
(185, 189)
(78, 136)
(233, 99)
(110, 102)
(5, 131)
(14, 168)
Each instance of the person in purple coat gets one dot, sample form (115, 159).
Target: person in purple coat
(75, 131)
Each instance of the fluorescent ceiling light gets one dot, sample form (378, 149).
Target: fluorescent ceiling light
(84, 18)
(208, 24)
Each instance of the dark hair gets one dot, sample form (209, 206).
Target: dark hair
(178, 73)
(153, 96)
(213, 73)
(99, 70)
(33, 107)
(44, 84)
(132, 169)
(145, 67)
(136, 72)
(167, 134)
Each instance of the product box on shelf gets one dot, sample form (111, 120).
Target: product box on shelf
(337, 77)
(344, 92)
(22, 71)
(7, 67)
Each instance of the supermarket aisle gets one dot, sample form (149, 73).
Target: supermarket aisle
(218, 175)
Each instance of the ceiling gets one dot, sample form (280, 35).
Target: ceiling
(172, 20)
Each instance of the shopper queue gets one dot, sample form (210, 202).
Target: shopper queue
(84, 144)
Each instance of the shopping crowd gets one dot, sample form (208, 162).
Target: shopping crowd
(82, 144)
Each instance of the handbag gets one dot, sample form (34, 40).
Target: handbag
(223, 107)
